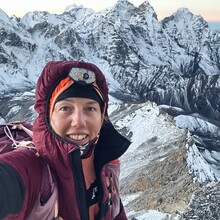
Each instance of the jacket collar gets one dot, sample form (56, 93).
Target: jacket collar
(111, 145)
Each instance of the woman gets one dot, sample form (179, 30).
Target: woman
(72, 134)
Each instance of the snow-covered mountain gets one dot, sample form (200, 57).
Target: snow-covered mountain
(165, 174)
(174, 61)
(173, 162)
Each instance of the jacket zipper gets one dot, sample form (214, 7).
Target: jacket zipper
(80, 185)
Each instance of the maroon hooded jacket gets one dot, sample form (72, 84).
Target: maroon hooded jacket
(64, 158)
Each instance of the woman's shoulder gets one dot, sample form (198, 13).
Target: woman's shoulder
(24, 156)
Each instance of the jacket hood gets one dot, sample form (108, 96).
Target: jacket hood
(53, 73)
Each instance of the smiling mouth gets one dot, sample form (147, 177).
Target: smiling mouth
(77, 137)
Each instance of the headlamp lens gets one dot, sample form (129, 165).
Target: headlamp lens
(82, 75)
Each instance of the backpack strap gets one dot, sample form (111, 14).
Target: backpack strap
(22, 127)
(46, 183)
(19, 144)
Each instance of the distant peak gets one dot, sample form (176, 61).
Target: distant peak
(145, 5)
(73, 6)
(183, 11)
(123, 5)
(123, 2)
(4, 17)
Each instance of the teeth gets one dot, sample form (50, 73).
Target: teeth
(77, 137)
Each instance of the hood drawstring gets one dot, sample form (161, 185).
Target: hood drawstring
(87, 149)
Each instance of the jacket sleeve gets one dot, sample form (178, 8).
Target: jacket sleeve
(12, 190)
(20, 182)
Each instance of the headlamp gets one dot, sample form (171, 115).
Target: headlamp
(82, 75)
(85, 76)
(76, 75)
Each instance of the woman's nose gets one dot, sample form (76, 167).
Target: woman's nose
(78, 119)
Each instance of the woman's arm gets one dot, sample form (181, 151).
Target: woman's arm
(12, 190)
(20, 182)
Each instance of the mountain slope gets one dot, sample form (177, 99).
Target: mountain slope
(163, 170)
(174, 62)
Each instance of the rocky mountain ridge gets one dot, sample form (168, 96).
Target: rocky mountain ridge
(163, 169)
(174, 61)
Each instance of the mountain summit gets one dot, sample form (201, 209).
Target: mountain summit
(146, 59)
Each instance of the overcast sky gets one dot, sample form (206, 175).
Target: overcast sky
(208, 9)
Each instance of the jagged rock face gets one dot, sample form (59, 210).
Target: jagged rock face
(163, 185)
(155, 169)
(174, 62)
(160, 175)
(205, 204)
(17, 107)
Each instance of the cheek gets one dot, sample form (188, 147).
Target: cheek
(97, 126)
(59, 126)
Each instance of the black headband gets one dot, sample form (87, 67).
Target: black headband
(80, 91)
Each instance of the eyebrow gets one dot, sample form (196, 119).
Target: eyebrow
(92, 102)
(88, 102)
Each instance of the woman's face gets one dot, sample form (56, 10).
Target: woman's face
(78, 120)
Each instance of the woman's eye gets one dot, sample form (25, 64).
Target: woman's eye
(90, 109)
(64, 108)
